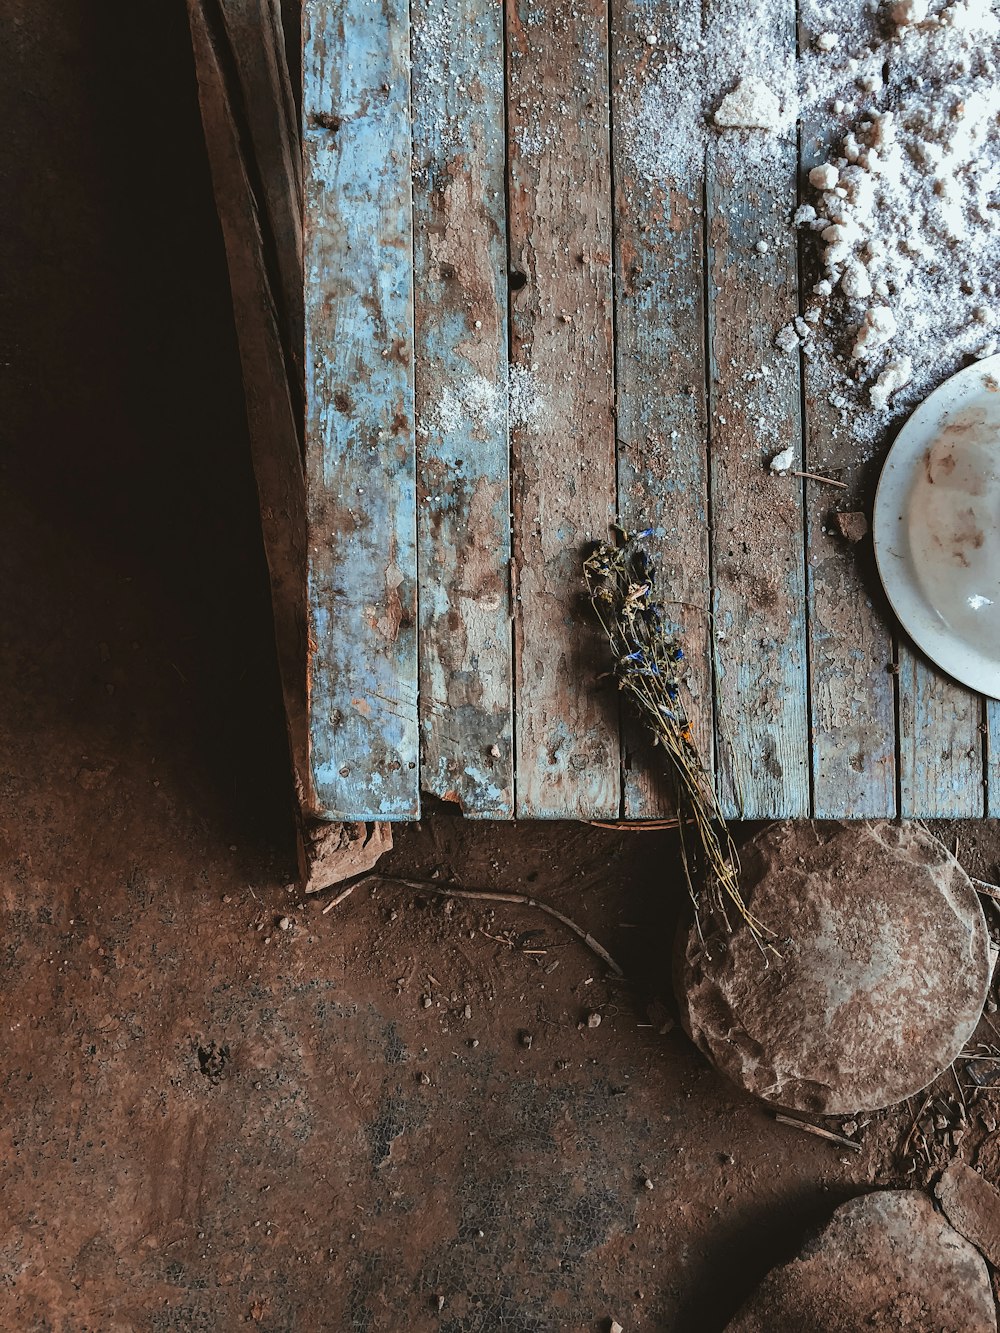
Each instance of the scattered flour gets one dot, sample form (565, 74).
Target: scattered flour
(904, 207)
(479, 407)
(907, 207)
(696, 87)
(751, 105)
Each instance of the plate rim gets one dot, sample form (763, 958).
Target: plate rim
(914, 612)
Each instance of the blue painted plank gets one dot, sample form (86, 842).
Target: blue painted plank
(758, 560)
(851, 692)
(360, 455)
(993, 758)
(660, 375)
(563, 446)
(940, 743)
(460, 263)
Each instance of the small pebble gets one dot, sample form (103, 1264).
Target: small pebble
(593, 1019)
(647, 1183)
(762, 247)
(426, 1001)
(525, 1039)
(467, 1011)
(285, 923)
(440, 1302)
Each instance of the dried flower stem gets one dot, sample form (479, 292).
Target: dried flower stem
(648, 667)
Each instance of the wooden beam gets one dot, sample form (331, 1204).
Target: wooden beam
(270, 379)
(562, 429)
(460, 263)
(360, 455)
(940, 743)
(851, 689)
(660, 374)
(762, 733)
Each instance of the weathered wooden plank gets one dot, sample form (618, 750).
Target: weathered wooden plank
(267, 114)
(851, 691)
(562, 420)
(360, 458)
(460, 334)
(660, 370)
(757, 518)
(940, 743)
(993, 758)
(275, 435)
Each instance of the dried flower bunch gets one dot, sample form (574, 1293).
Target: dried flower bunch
(649, 668)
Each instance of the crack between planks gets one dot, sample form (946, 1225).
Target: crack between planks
(615, 254)
(418, 795)
(512, 589)
(812, 750)
(709, 326)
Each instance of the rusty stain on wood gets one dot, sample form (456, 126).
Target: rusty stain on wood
(564, 457)
(460, 263)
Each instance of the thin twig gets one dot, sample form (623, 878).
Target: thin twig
(990, 890)
(344, 893)
(818, 1130)
(518, 899)
(636, 825)
(954, 1074)
(814, 476)
(916, 1121)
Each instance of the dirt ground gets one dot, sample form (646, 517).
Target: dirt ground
(383, 1117)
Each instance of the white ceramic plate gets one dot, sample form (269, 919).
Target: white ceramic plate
(937, 526)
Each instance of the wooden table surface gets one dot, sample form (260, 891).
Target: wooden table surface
(474, 214)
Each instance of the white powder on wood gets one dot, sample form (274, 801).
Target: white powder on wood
(905, 206)
(751, 105)
(479, 407)
(912, 197)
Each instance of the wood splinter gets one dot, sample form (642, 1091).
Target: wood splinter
(809, 1128)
